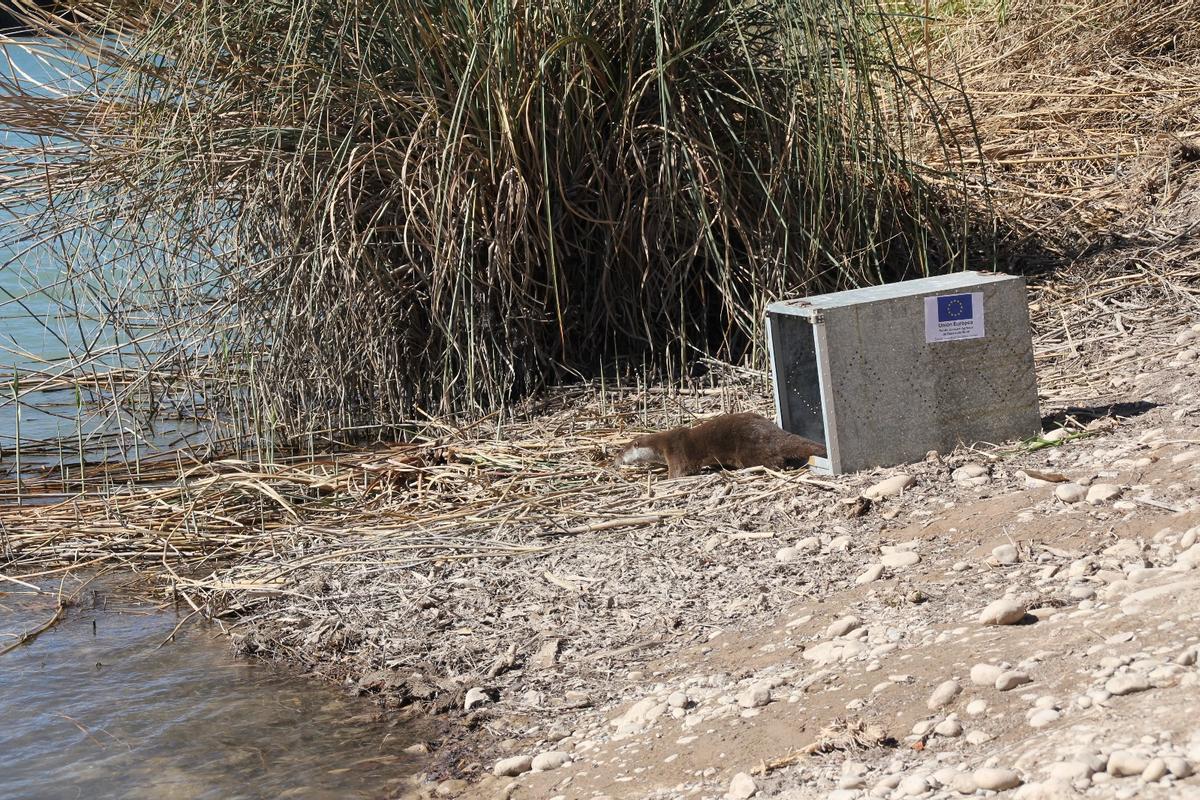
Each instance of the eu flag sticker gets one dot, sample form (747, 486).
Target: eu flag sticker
(954, 317)
(954, 307)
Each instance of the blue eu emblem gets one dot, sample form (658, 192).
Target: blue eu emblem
(954, 307)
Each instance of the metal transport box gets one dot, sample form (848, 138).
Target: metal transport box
(883, 375)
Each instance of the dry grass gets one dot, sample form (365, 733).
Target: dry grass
(1088, 119)
(354, 215)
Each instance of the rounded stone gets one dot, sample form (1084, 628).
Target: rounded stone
(756, 696)
(1126, 683)
(808, 544)
(742, 786)
(1055, 435)
(1005, 554)
(551, 759)
(1123, 764)
(842, 626)
(1102, 492)
(1005, 611)
(452, 787)
(950, 728)
(511, 767)
(475, 696)
(1155, 770)
(985, 674)
(1069, 771)
(996, 779)
(923, 726)
(890, 487)
(1070, 492)
(903, 558)
(913, 786)
(1011, 679)
(1043, 717)
(970, 475)
(943, 694)
(871, 574)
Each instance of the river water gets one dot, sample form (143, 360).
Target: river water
(95, 708)
(98, 706)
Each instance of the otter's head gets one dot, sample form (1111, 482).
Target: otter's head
(639, 451)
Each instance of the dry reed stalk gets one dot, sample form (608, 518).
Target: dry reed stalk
(326, 222)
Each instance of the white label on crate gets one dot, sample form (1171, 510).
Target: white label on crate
(953, 317)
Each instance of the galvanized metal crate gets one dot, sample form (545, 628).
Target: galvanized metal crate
(883, 375)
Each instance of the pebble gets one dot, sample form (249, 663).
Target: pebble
(1005, 611)
(1126, 683)
(996, 779)
(1005, 554)
(1055, 435)
(978, 737)
(833, 651)
(951, 778)
(808, 544)
(1070, 771)
(900, 559)
(1155, 770)
(841, 627)
(1102, 492)
(1122, 764)
(452, 787)
(511, 767)
(970, 475)
(890, 487)
(1179, 767)
(923, 726)
(1070, 492)
(1011, 679)
(1043, 717)
(677, 700)
(786, 553)
(551, 759)
(985, 674)
(871, 575)
(976, 707)
(913, 786)
(943, 694)
(756, 696)
(950, 728)
(476, 696)
(742, 786)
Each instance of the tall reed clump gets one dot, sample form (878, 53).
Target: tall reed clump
(354, 210)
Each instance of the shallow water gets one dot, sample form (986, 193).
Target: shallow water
(93, 708)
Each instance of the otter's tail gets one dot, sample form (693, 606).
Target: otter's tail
(799, 449)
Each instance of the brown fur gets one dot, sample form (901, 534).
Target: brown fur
(730, 441)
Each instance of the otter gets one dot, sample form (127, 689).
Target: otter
(729, 441)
